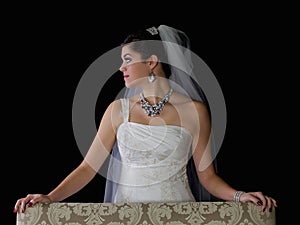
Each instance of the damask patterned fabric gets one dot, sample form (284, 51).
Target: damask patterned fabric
(189, 213)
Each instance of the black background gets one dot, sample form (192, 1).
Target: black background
(47, 52)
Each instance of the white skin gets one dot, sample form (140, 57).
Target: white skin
(176, 112)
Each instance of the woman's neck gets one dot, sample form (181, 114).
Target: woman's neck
(156, 90)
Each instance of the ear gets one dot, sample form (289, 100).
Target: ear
(153, 61)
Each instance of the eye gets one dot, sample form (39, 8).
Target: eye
(127, 59)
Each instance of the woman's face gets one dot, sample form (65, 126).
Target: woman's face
(134, 69)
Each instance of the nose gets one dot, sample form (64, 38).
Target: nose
(122, 68)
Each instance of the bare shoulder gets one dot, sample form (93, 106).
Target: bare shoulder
(192, 113)
(200, 107)
(114, 106)
(187, 103)
(113, 113)
(201, 112)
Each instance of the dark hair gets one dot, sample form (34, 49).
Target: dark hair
(147, 44)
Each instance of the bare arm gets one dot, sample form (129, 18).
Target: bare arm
(202, 158)
(205, 170)
(84, 173)
(92, 162)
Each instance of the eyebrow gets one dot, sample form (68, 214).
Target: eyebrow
(127, 54)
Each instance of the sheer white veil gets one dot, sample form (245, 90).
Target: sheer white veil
(177, 47)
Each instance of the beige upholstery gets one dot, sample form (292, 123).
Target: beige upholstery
(210, 213)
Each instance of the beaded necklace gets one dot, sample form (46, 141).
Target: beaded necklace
(154, 110)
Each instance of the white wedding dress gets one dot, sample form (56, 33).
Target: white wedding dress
(154, 158)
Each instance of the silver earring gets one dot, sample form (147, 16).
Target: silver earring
(151, 77)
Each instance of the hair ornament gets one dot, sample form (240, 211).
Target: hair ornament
(152, 30)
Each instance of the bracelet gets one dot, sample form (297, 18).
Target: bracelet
(237, 195)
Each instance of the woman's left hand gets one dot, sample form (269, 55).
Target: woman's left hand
(266, 202)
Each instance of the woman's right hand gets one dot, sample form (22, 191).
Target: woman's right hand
(30, 200)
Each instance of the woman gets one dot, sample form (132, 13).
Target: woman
(162, 121)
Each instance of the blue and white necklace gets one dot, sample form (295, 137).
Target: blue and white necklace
(154, 110)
